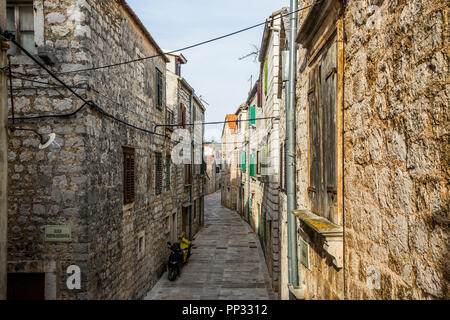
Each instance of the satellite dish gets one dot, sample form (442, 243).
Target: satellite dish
(46, 140)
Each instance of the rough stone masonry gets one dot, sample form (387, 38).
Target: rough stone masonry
(78, 182)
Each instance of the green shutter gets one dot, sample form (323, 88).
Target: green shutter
(252, 114)
(250, 206)
(252, 165)
(243, 160)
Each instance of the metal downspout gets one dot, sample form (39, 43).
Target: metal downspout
(248, 169)
(290, 146)
(192, 167)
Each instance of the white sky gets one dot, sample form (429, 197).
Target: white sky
(213, 70)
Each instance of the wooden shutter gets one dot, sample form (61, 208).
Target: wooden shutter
(128, 176)
(187, 174)
(158, 175)
(159, 89)
(252, 165)
(252, 115)
(328, 106)
(243, 161)
(315, 157)
(258, 162)
(183, 115)
(259, 94)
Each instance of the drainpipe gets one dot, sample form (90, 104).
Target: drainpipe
(248, 168)
(290, 146)
(192, 167)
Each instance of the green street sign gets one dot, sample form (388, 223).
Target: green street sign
(58, 234)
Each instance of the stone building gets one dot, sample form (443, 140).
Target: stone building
(184, 109)
(108, 188)
(229, 163)
(242, 133)
(212, 158)
(372, 110)
(259, 145)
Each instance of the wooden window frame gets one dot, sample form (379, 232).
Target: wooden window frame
(170, 120)
(17, 28)
(129, 170)
(322, 135)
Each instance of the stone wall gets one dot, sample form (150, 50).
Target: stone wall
(396, 110)
(78, 182)
(394, 192)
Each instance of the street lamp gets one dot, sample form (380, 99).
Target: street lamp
(45, 139)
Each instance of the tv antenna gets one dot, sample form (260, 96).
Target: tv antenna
(203, 100)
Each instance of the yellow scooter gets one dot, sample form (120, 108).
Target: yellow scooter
(186, 246)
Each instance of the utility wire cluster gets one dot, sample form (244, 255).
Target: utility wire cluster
(89, 103)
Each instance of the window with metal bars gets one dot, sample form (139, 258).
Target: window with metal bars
(167, 173)
(159, 89)
(128, 176)
(159, 173)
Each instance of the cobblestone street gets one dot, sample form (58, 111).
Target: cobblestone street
(226, 263)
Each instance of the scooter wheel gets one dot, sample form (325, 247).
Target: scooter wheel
(172, 274)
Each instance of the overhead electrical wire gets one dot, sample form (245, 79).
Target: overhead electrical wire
(190, 46)
(94, 106)
(86, 102)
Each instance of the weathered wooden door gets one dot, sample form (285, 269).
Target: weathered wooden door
(315, 147)
(322, 126)
(26, 286)
(328, 104)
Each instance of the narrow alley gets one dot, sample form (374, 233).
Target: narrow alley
(226, 263)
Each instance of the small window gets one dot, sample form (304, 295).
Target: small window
(20, 22)
(141, 244)
(182, 116)
(159, 173)
(187, 174)
(169, 119)
(177, 68)
(195, 209)
(159, 89)
(217, 169)
(128, 176)
(258, 162)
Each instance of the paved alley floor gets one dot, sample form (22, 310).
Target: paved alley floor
(227, 262)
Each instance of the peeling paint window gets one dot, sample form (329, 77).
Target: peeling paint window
(20, 22)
